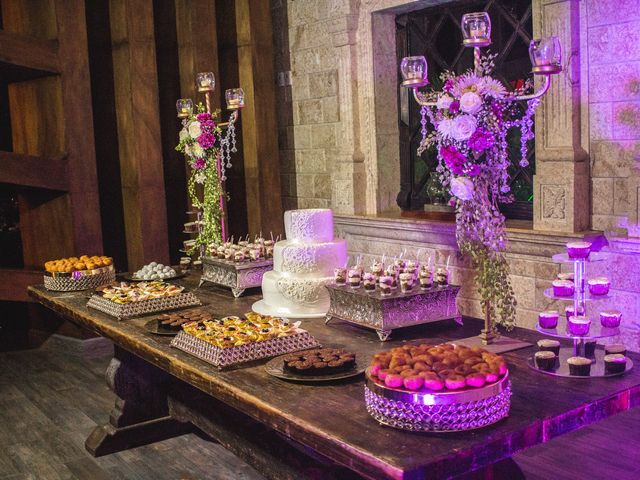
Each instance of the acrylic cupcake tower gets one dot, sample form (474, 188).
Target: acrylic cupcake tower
(582, 330)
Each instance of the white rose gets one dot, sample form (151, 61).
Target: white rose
(444, 101)
(461, 187)
(187, 150)
(470, 102)
(463, 127)
(184, 135)
(445, 127)
(197, 151)
(194, 129)
(200, 177)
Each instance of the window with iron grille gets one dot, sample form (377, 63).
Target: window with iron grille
(435, 33)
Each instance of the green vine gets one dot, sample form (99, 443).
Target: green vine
(494, 285)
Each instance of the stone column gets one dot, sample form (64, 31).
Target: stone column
(561, 183)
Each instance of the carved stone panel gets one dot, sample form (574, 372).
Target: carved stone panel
(553, 202)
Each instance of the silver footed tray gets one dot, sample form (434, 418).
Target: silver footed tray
(385, 313)
(231, 356)
(446, 411)
(238, 276)
(79, 280)
(144, 307)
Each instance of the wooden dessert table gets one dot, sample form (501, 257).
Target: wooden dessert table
(289, 430)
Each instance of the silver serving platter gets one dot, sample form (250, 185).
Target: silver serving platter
(385, 313)
(227, 357)
(81, 280)
(561, 368)
(235, 275)
(446, 411)
(144, 307)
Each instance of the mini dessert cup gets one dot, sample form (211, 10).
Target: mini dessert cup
(599, 285)
(355, 278)
(545, 359)
(615, 348)
(579, 366)
(610, 318)
(369, 282)
(425, 279)
(578, 249)
(377, 269)
(615, 363)
(563, 288)
(255, 254)
(239, 256)
(548, 345)
(548, 319)
(184, 263)
(386, 284)
(268, 251)
(578, 325)
(340, 276)
(442, 277)
(406, 282)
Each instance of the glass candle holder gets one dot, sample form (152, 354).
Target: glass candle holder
(206, 81)
(414, 71)
(476, 29)
(546, 56)
(234, 98)
(184, 106)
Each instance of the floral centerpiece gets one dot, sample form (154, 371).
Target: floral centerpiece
(472, 116)
(200, 142)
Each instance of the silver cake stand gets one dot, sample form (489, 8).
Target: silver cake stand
(235, 275)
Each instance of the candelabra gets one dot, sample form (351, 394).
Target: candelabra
(545, 57)
(234, 97)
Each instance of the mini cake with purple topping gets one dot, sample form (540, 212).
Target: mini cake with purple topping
(578, 249)
(579, 366)
(578, 325)
(545, 359)
(369, 281)
(548, 319)
(340, 275)
(610, 318)
(599, 285)
(354, 277)
(563, 288)
(386, 284)
(615, 363)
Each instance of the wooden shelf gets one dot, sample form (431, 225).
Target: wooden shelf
(29, 52)
(34, 171)
(14, 283)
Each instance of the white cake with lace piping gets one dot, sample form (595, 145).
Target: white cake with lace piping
(302, 265)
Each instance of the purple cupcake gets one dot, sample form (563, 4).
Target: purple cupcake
(599, 285)
(610, 318)
(578, 249)
(548, 319)
(563, 288)
(578, 325)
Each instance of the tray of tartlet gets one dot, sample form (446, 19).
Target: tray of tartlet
(437, 388)
(78, 273)
(229, 341)
(127, 300)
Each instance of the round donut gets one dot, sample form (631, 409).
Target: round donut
(491, 377)
(414, 382)
(432, 381)
(446, 373)
(480, 366)
(375, 368)
(437, 366)
(409, 372)
(455, 382)
(394, 381)
(475, 380)
(463, 369)
(473, 360)
(382, 373)
(421, 367)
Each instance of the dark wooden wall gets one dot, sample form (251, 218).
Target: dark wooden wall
(88, 125)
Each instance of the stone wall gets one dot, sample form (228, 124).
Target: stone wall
(339, 137)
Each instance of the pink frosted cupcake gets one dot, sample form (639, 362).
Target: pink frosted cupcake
(599, 285)
(578, 325)
(548, 319)
(578, 249)
(563, 288)
(610, 318)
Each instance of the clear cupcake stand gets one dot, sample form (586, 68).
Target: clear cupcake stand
(580, 299)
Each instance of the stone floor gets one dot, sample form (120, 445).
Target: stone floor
(52, 397)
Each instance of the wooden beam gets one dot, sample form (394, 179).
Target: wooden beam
(34, 171)
(30, 52)
(259, 120)
(14, 283)
(140, 143)
(78, 128)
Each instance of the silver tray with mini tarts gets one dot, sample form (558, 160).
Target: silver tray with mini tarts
(385, 313)
(79, 280)
(446, 411)
(238, 276)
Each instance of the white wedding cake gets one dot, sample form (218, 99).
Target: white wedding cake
(302, 265)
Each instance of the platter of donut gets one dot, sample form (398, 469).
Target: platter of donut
(437, 388)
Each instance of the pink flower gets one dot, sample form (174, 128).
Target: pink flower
(454, 107)
(472, 170)
(208, 125)
(206, 140)
(448, 86)
(481, 140)
(203, 117)
(453, 159)
(199, 164)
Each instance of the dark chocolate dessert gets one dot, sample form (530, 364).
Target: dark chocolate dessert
(173, 322)
(320, 361)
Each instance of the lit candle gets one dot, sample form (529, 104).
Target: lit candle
(206, 81)
(234, 98)
(184, 106)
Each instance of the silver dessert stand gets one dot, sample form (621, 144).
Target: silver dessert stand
(235, 275)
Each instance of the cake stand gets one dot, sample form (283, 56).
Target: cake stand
(236, 275)
(596, 330)
(264, 309)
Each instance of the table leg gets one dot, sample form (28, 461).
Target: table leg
(383, 335)
(237, 292)
(141, 414)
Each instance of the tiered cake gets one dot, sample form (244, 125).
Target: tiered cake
(302, 265)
